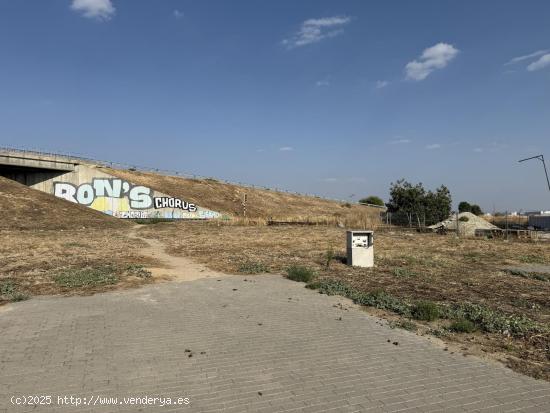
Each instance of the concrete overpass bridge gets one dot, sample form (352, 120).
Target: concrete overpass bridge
(31, 168)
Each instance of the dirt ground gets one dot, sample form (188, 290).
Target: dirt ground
(411, 266)
(30, 260)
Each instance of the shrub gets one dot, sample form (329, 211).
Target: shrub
(464, 207)
(462, 326)
(373, 200)
(425, 311)
(87, 277)
(300, 273)
(7, 287)
(329, 256)
(476, 210)
(463, 219)
(253, 267)
(9, 292)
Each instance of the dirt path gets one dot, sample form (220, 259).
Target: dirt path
(174, 268)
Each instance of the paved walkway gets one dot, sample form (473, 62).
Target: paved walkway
(254, 344)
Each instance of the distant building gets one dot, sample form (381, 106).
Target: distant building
(529, 213)
(541, 221)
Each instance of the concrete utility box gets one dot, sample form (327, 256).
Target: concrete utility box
(360, 248)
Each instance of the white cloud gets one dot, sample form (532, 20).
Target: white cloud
(381, 84)
(321, 83)
(479, 150)
(400, 141)
(178, 14)
(432, 58)
(330, 180)
(286, 148)
(94, 9)
(526, 57)
(433, 146)
(315, 30)
(543, 62)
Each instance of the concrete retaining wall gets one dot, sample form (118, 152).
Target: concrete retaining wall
(88, 185)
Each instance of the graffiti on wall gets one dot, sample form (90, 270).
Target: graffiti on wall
(123, 199)
(139, 196)
(167, 202)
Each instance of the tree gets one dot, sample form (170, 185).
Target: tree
(464, 207)
(407, 198)
(476, 210)
(414, 201)
(373, 200)
(467, 207)
(440, 205)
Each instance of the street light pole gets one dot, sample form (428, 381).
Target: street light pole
(540, 158)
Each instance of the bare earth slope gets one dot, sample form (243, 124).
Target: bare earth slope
(228, 198)
(25, 208)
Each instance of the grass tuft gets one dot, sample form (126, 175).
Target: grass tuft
(425, 311)
(300, 273)
(462, 326)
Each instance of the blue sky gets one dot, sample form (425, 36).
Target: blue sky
(338, 98)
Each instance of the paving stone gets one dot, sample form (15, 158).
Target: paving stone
(136, 343)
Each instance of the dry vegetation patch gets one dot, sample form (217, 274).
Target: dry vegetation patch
(69, 262)
(261, 204)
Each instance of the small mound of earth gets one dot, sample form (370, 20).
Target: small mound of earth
(468, 223)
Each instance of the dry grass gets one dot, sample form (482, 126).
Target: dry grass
(261, 204)
(32, 259)
(413, 266)
(25, 208)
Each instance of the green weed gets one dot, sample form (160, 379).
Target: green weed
(253, 267)
(425, 311)
(462, 326)
(300, 273)
(9, 292)
(87, 277)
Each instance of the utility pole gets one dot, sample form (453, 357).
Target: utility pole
(540, 158)
(244, 205)
(506, 225)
